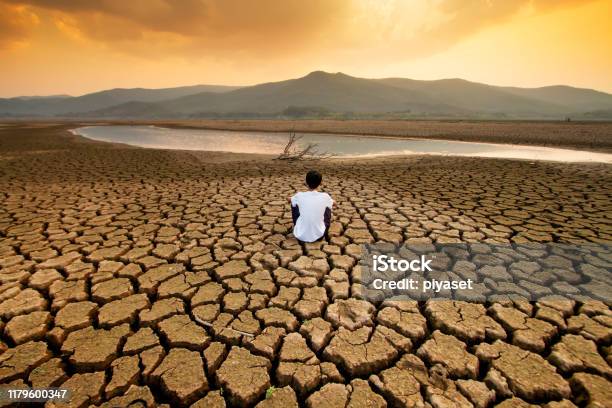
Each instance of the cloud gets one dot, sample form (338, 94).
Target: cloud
(156, 15)
(188, 25)
(263, 29)
(14, 25)
(460, 19)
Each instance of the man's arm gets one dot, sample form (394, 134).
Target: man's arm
(328, 214)
(295, 210)
(330, 204)
(327, 217)
(295, 213)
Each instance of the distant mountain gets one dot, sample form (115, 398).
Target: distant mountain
(322, 94)
(332, 92)
(579, 99)
(480, 98)
(67, 105)
(34, 97)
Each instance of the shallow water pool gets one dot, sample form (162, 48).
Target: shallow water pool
(338, 145)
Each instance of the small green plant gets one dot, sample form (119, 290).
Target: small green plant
(270, 391)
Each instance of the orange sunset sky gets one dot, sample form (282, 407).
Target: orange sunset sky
(79, 46)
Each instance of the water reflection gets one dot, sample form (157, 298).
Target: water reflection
(339, 145)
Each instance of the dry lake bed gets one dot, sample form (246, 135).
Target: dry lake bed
(149, 277)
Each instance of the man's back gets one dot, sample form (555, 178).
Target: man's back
(312, 205)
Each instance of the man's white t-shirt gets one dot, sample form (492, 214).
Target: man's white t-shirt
(310, 225)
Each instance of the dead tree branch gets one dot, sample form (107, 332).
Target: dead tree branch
(293, 151)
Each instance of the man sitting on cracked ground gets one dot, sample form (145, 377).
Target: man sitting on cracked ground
(311, 210)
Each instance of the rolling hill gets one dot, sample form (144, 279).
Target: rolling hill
(325, 94)
(67, 105)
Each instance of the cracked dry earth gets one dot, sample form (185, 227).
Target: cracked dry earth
(143, 277)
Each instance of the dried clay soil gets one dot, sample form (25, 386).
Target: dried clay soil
(151, 277)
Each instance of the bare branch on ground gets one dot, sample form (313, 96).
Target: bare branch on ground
(293, 151)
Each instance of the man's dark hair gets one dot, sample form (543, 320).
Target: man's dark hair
(313, 179)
